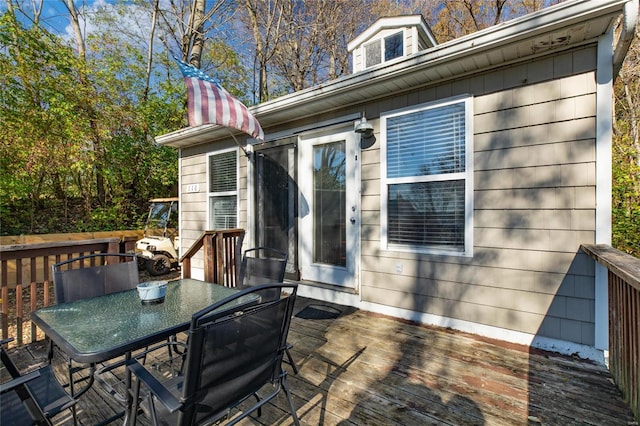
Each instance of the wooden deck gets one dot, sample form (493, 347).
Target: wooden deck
(366, 369)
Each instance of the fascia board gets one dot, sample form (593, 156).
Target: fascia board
(491, 38)
(384, 23)
(528, 26)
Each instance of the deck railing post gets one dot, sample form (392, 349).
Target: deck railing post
(25, 275)
(624, 312)
(220, 260)
(221, 249)
(209, 258)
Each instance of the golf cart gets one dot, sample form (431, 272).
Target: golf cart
(158, 249)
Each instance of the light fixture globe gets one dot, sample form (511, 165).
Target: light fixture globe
(363, 127)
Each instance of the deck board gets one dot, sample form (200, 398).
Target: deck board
(364, 368)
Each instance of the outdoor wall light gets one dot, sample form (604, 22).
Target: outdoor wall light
(364, 128)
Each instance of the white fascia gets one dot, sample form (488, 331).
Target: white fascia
(604, 142)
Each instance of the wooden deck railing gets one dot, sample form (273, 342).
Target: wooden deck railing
(624, 319)
(25, 274)
(222, 251)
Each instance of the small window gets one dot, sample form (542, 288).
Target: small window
(427, 188)
(393, 47)
(223, 190)
(389, 48)
(372, 53)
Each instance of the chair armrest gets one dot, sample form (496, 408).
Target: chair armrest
(163, 394)
(174, 343)
(7, 340)
(116, 364)
(11, 384)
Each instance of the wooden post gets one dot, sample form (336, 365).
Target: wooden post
(219, 241)
(186, 267)
(209, 258)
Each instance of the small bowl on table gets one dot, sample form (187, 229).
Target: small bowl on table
(152, 292)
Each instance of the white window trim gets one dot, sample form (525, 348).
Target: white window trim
(467, 175)
(381, 39)
(403, 41)
(223, 193)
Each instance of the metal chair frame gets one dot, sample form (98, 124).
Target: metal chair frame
(236, 347)
(37, 395)
(261, 265)
(98, 274)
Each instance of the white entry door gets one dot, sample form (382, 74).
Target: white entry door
(329, 210)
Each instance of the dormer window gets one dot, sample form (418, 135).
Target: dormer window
(393, 47)
(389, 48)
(388, 39)
(372, 53)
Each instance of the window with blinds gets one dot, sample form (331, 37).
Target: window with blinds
(426, 179)
(223, 190)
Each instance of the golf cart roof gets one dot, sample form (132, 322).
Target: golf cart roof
(163, 200)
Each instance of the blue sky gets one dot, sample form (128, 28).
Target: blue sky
(55, 16)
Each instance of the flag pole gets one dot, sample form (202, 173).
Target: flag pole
(238, 143)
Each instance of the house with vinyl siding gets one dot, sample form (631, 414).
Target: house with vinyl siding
(450, 184)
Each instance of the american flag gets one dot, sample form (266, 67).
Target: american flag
(209, 103)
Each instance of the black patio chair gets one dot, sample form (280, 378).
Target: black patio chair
(94, 275)
(262, 265)
(91, 276)
(37, 396)
(235, 350)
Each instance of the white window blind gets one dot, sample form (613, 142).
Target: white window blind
(426, 188)
(222, 172)
(223, 212)
(426, 143)
(223, 187)
(429, 214)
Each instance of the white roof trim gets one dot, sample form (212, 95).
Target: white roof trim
(392, 22)
(361, 87)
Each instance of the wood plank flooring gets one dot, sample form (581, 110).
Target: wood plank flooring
(366, 369)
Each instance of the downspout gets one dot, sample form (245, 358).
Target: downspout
(609, 65)
(629, 22)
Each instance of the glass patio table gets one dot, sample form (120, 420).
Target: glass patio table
(106, 327)
(102, 328)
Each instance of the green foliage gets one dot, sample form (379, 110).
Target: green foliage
(38, 114)
(77, 151)
(626, 196)
(626, 156)
(76, 137)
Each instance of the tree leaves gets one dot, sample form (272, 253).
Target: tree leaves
(64, 120)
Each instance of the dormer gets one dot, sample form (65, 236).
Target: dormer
(388, 39)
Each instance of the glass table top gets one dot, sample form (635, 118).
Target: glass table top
(92, 330)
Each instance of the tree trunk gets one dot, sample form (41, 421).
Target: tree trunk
(197, 33)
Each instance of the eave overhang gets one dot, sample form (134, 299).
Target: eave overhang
(554, 29)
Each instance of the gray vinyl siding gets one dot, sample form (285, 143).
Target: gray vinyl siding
(534, 204)
(193, 206)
